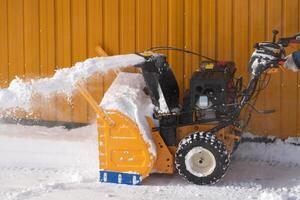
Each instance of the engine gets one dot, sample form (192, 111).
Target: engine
(212, 90)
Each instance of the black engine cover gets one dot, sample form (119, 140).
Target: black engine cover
(214, 80)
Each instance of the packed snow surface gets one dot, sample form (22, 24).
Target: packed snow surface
(126, 94)
(20, 93)
(39, 163)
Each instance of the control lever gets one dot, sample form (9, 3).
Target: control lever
(262, 112)
(266, 112)
(297, 38)
(275, 32)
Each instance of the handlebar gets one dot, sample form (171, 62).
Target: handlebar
(295, 39)
(267, 55)
(271, 54)
(289, 40)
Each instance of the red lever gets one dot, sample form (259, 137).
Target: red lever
(294, 41)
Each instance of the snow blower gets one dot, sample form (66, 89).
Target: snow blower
(143, 128)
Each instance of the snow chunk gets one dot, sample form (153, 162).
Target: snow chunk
(126, 95)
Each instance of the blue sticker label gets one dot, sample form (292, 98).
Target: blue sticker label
(120, 178)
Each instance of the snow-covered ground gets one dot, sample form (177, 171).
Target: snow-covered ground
(54, 163)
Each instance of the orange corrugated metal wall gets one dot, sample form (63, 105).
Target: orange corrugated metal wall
(39, 36)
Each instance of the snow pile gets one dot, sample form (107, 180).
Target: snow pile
(285, 152)
(19, 93)
(277, 152)
(126, 94)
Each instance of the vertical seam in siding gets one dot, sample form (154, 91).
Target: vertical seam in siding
(55, 33)
(298, 104)
(232, 30)
(249, 45)
(184, 47)
(87, 29)
(86, 54)
(39, 39)
(266, 18)
(71, 103)
(23, 41)
(248, 30)
(54, 46)
(103, 25)
(249, 27)
(151, 21)
(216, 29)
(283, 32)
(266, 25)
(282, 27)
(71, 36)
(7, 45)
(102, 37)
(200, 30)
(168, 13)
(135, 26)
(119, 27)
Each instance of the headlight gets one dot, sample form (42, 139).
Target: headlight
(203, 102)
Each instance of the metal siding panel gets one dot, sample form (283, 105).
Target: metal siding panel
(16, 44)
(289, 91)
(111, 42)
(273, 91)
(241, 35)
(3, 44)
(298, 80)
(31, 38)
(208, 28)
(160, 23)
(63, 53)
(143, 25)
(16, 38)
(224, 30)
(32, 50)
(79, 53)
(241, 41)
(196, 32)
(94, 35)
(47, 54)
(188, 68)
(127, 28)
(257, 33)
(176, 39)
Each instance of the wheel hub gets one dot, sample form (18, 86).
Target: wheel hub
(200, 162)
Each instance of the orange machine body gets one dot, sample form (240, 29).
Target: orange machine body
(124, 155)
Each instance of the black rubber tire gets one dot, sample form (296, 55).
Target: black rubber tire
(209, 142)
